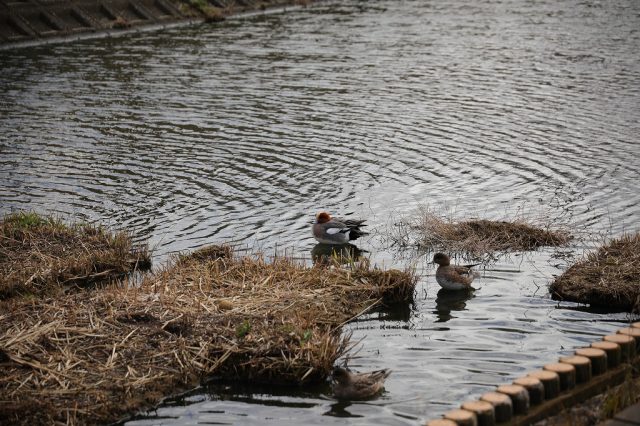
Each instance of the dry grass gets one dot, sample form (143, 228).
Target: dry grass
(96, 356)
(475, 238)
(43, 255)
(609, 277)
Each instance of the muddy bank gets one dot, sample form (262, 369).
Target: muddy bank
(28, 20)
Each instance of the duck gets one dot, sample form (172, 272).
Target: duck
(453, 277)
(357, 386)
(328, 230)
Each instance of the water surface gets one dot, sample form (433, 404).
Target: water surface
(242, 131)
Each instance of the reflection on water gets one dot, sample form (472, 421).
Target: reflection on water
(447, 301)
(241, 131)
(326, 254)
(340, 409)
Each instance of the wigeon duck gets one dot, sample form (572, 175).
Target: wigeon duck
(336, 231)
(453, 277)
(357, 386)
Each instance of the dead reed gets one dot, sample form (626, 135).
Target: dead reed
(608, 277)
(97, 356)
(475, 238)
(40, 254)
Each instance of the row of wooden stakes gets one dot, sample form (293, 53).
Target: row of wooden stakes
(509, 402)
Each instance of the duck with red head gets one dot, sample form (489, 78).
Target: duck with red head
(329, 230)
(453, 277)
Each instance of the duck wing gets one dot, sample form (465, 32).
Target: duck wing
(371, 377)
(336, 227)
(354, 227)
(466, 271)
(367, 385)
(462, 270)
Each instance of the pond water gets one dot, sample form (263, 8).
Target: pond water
(242, 131)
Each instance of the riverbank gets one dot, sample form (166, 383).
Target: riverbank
(30, 21)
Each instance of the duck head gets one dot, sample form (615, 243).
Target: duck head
(340, 375)
(441, 259)
(323, 217)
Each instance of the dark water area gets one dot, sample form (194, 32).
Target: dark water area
(242, 131)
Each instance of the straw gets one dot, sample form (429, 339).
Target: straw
(608, 277)
(94, 356)
(43, 255)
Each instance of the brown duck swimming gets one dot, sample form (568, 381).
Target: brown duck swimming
(453, 277)
(357, 386)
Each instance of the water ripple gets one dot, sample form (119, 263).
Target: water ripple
(242, 131)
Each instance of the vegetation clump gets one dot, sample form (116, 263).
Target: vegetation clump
(608, 277)
(477, 238)
(97, 356)
(40, 254)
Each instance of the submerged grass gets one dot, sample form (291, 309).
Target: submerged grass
(475, 238)
(608, 277)
(42, 254)
(97, 356)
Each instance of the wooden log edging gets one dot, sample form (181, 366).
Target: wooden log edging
(559, 385)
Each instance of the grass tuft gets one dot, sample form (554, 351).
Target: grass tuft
(608, 277)
(474, 238)
(42, 254)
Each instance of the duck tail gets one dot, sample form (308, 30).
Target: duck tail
(356, 233)
(381, 374)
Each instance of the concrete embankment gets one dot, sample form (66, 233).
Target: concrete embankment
(32, 20)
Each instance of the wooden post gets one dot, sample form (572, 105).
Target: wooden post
(614, 353)
(627, 345)
(582, 364)
(566, 372)
(551, 382)
(633, 332)
(483, 410)
(598, 359)
(519, 397)
(502, 405)
(442, 422)
(462, 417)
(534, 386)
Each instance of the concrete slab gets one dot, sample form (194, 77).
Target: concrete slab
(629, 416)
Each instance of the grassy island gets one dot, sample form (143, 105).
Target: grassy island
(100, 355)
